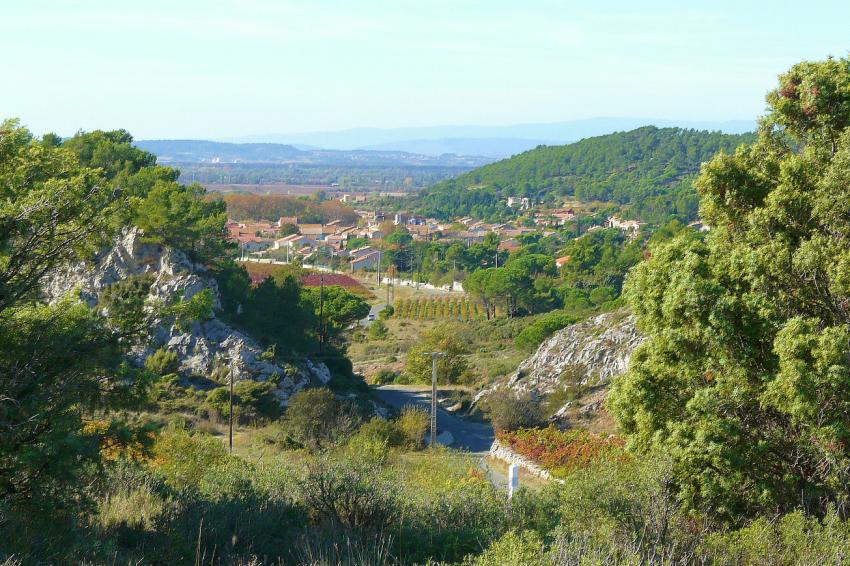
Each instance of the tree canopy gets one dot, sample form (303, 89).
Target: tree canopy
(648, 171)
(745, 375)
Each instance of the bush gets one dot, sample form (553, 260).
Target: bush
(413, 422)
(350, 495)
(517, 549)
(183, 458)
(561, 452)
(377, 330)
(162, 362)
(257, 399)
(601, 295)
(536, 332)
(252, 401)
(805, 539)
(511, 411)
(384, 376)
(381, 430)
(315, 418)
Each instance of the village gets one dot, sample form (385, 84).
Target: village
(290, 240)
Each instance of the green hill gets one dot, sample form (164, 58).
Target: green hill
(647, 171)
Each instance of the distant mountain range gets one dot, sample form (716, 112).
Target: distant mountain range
(211, 152)
(486, 141)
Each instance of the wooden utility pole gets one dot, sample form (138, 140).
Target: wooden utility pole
(230, 412)
(434, 356)
(321, 313)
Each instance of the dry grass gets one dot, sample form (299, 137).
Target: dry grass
(526, 478)
(137, 509)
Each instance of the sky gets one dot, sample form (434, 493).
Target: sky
(217, 69)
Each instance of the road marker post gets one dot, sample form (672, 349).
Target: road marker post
(513, 479)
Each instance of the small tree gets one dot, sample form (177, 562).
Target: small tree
(511, 411)
(413, 422)
(451, 366)
(315, 418)
(377, 330)
(162, 362)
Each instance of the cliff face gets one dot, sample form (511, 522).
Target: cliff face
(574, 367)
(203, 345)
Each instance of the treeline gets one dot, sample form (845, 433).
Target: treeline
(647, 171)
(272, 207)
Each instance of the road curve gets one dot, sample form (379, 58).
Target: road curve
(468, 435)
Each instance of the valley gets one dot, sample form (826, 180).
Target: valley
(496, 327)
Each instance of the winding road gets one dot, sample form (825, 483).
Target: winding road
(468, 435)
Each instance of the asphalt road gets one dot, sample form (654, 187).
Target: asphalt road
(374, 310)
(472, 436)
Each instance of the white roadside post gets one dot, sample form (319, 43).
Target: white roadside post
(513, 479)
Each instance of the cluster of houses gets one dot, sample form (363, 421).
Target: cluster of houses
(303, 240)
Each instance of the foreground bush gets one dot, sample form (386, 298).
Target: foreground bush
(252, 401)
(316, 418)
(509, 410)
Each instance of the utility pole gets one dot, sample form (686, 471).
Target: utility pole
(230, 412)
(321, 313)
(434, 356)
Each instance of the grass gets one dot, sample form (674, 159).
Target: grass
(137, 508)
(492, 352)
(526, 479)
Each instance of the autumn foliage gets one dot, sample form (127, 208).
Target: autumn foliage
(560, 452)
(272, 207)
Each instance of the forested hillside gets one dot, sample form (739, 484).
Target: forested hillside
(648, 171)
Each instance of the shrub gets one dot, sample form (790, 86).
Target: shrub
(252, 400)
(602, 295)
(384, 375)
(451, 366)
(510, 411)
(315, 418)
(515, 548)
(228, 480)
(413, 422)
(183, 458)
(135, 508)
(536, 332)
(383, 431)
(803, 539)
(377, 330)
(257, 399)
(560, 452)
(349, 494)
(162, 362)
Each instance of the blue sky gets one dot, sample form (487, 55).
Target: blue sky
(190, 69)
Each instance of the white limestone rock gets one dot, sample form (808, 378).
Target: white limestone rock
(204, 345)
(590, 353)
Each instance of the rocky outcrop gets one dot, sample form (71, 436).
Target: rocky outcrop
(582, 359)
(203, 346)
